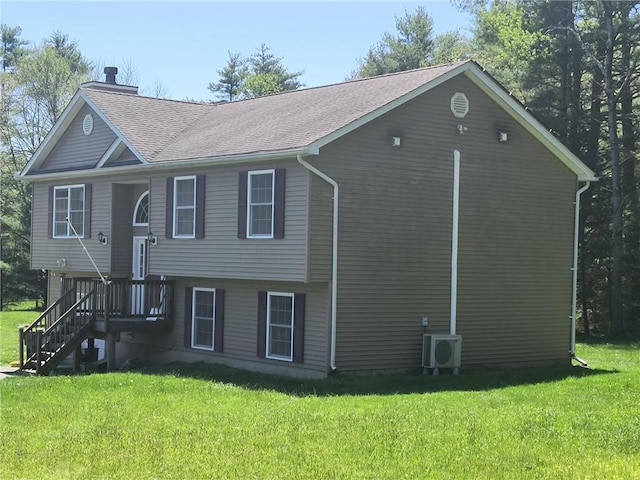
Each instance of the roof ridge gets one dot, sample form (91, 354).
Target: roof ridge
(146, 97)
(288, 92)
(346, 82)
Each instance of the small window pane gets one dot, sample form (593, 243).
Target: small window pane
(60, 229)
(261, 219)
(185, 193)
(184, 222)
(77, 220)
(261, 188)
(77, 199)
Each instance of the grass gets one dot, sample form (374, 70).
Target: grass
(196, 421)
(18, 314)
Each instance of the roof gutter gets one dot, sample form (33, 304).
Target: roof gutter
(168, 165)
(334, 255)
(575, 274)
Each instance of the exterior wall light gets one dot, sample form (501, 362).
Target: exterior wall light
(152, 239)
(503, 137)
(102, 238)
(396, 141)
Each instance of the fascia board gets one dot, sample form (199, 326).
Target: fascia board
(524, 118)
(148, 168)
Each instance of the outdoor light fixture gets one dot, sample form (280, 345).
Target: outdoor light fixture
(102, 238)
(152, 239)
(395, 141)
(461, 129)
(503, 137)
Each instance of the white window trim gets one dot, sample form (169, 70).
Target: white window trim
(193, 320)
(135, 210)
(175, 196)
(272, 171)
(53, 213)
(293, 316)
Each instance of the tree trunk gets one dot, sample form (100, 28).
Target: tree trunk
(617, 323)
(591, 156)
(631, 263)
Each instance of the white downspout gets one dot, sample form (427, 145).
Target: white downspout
(334, 255)
(575, 273)
(454, 241)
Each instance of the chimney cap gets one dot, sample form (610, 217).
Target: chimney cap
(110, 73)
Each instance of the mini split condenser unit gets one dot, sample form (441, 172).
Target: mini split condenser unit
(441, 351)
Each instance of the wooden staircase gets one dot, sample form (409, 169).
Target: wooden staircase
(58, 332)
(90, 308)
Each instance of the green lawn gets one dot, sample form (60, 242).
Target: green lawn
(188, 422)
(20, 314)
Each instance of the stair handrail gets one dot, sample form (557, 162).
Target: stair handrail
(41, 334)
(36, 323)
(71, 310)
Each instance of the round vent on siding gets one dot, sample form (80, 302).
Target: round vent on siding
(459, 105)
(87, 124)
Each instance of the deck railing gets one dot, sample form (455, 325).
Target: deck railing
(125, 298)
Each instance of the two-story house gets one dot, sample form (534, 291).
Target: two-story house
(314, 230)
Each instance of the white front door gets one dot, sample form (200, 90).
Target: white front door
(139, 269)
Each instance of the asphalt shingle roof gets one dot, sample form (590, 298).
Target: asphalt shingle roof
(164, 130)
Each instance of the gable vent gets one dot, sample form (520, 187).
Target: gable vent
(87, 124)
(459, 105)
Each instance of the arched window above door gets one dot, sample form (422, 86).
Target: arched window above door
(141, 212)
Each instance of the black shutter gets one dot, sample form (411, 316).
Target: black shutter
(188, 306)
(219, 326)
(298, 327)
(51, 212)
(262, 324)
(278, 207)
(200, 200)
(242, 204)
(87, 211)
(168, 232)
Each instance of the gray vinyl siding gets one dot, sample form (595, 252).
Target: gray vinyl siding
(320, 227)
(515, 248)
(240, 327)
(75, 150)
(221, 254)
(395, 236)
(46, 251)
(127, 157)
